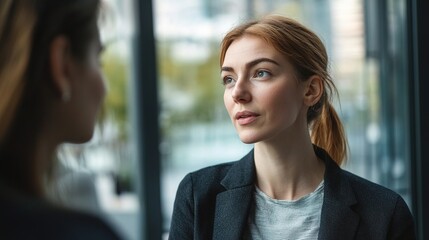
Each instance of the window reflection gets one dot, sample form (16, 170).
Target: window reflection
(196, 130)
(100, 176)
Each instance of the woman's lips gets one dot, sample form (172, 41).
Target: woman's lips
(246, 117)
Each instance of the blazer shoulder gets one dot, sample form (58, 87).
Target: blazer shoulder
(218, 170)
(227, 175)
(377, 204)
(373, 198)
(365, 187)
(208, 177)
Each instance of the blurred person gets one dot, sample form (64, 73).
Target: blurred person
(290, 185)
(51, 89)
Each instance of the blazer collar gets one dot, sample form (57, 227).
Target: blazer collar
(338, 219)
(233, 205)
(242, 173)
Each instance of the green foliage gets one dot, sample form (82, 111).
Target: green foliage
(115, 107)
(200, 80)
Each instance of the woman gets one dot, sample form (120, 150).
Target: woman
(290, 186)
(51, 89)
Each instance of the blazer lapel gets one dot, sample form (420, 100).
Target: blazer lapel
(232, 209)
(338, 220)
(232, 205)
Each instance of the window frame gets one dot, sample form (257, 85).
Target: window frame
(418, 38)
(146, 123)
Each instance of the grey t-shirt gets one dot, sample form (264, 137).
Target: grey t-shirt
(281, 219)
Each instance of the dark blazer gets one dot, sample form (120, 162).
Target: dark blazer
(214, 203)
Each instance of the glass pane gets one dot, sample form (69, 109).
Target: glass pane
(100, 176)
(196, 130)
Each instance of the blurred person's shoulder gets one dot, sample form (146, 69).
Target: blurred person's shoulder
(26, 218)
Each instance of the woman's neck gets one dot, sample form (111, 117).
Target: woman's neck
(287, 170)
(44, 157)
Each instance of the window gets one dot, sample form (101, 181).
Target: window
(367, 47)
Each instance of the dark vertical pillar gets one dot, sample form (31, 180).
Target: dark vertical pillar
(418, 18)
(146, 129)
(378, 41)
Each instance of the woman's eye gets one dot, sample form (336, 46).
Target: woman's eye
(262, 74)
(227, 80)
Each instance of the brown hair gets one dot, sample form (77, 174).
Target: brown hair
(27, 28)
(307, 54)
(16, 24)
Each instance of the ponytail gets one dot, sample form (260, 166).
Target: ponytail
(328, 133)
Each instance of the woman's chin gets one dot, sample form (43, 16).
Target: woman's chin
(81, 138)
(248, 139)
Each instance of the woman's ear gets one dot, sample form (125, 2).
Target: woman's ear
(59, 57)
(313, 90)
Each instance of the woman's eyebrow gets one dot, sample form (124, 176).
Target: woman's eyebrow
(251, 64)
(227, 69)
(259, 60)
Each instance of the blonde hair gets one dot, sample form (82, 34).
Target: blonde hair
(17, 20)
(27, 28)
(306, 52)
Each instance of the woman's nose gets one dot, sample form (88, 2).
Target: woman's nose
(240, 92)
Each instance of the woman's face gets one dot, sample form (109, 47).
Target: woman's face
(262, 95)
(87, 93)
